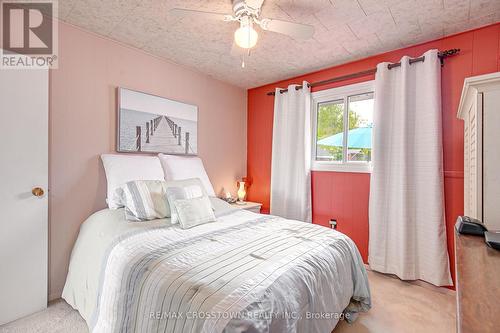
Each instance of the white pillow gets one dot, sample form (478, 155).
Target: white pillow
(121, 169)
(193, 212)
(145, 200)
(182, 167)
(180, 190)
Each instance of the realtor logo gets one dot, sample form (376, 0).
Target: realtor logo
(29, 34)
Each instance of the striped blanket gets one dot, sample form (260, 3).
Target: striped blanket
(246, 273)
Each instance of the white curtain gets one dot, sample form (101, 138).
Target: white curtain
(291, 154)
(407, 221)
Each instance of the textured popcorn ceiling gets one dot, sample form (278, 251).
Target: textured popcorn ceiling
(345, 30)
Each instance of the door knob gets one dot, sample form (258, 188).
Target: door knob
(37, 191)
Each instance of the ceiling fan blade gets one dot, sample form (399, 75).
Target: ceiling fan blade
(255, 4)
(296, 30)
(201, 14)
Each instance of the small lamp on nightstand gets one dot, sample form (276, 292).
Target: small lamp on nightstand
(241, 192)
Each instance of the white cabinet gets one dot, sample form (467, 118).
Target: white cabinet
(480, 110)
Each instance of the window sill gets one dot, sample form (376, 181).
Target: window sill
(341, 167)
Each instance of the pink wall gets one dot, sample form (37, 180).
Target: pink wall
(82, 126)
(345, 195)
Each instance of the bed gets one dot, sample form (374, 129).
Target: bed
(246, 272)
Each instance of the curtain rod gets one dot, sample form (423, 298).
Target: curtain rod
(442, 55)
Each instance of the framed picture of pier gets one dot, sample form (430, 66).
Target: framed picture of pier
(153, 124)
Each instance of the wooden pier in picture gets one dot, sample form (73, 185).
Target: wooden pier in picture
(162, 134)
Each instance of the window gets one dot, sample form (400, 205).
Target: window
(343, 120)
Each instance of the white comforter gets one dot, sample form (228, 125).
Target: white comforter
(244, 273)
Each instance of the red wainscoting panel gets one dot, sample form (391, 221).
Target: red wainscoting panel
(485, 50)
(344, 196)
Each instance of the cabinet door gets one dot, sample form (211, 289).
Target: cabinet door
(478, 178)
(467, 165)
(473, 157)
(491, 159)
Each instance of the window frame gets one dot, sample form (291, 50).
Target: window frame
(330, 95)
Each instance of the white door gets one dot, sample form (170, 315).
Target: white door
(23, 176)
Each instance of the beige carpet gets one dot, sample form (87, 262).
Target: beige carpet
(402, 307)
(398, 307)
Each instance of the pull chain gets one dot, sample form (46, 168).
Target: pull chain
(243, 64)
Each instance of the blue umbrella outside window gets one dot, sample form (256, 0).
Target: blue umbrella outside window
(360, 137)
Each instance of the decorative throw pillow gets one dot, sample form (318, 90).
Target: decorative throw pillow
(193, 212)
(145, 200)
(183, 189)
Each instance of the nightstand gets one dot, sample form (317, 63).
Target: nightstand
(251, 206)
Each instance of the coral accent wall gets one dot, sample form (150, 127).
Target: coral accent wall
(344, 196)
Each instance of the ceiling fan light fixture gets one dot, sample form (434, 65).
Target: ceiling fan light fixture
(248, 13)
(245, 36)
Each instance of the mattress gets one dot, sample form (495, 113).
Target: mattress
(246, 272)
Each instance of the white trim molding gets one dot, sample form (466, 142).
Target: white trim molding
(473, 85)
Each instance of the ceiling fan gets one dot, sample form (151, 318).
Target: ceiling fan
(247, 13)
